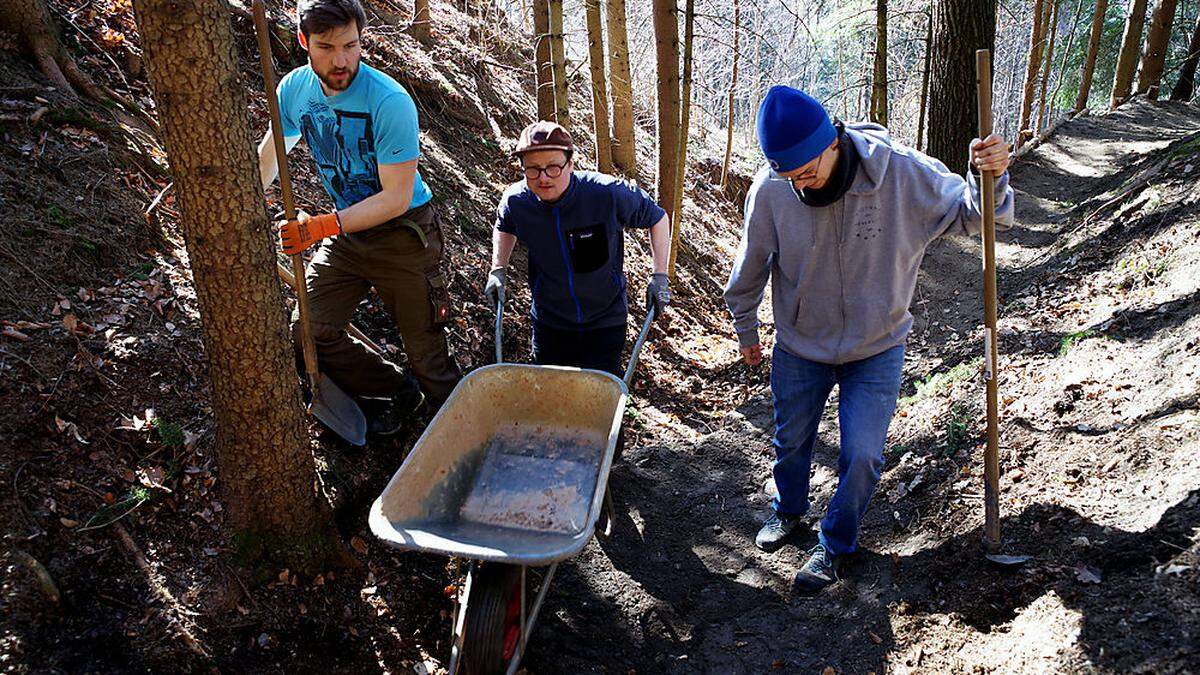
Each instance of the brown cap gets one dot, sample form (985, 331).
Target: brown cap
(544, 136)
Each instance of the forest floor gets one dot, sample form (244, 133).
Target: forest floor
(109, 458)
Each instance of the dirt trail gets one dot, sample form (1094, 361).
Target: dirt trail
(1100, 434)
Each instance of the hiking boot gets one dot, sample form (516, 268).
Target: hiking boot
(389, 414)
(775, 530)
(819, 572)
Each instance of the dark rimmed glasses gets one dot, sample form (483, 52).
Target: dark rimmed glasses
(551, 170)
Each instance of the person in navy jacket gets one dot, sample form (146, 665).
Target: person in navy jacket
(572, 222)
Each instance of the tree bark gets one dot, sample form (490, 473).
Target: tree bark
(599, 87)
(1128, 58)
(558, 62)
(1089, 61)
(960, 27)
(267, 468)
(1036, 43)
(666, 39)
(1185, 88)
(1048, 65)
(737, 15)
(421, 25)
(624, 141)
(685, 117)
(879, 82)
(1157, 41)
(921, 116)
(1066, 56)
(543, 72)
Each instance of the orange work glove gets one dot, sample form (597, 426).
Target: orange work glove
(297, 235)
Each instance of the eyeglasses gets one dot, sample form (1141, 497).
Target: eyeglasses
(804, 177)
(551, 170)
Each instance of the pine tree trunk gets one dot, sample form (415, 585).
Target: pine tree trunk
(922, 115)
(421, 25)
(558, 62)
(37, 35)
(1048, 65)
(960, 27)
(1066, 56)
(1128, 58)
(666, 39)
(543, 72)
(599, 86)
(879, 82)
(685, 118)
(1185, 88)
(1089, 61)
(267, 467)
(737, 16)
(1036, 43)
(1157, 41)
(624, 142)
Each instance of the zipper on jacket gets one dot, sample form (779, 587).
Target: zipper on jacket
(562, 245)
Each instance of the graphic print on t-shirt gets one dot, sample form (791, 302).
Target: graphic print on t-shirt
(343, 146)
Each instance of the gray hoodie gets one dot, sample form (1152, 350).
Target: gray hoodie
(843, 275)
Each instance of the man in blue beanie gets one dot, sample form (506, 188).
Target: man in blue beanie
(839, 221)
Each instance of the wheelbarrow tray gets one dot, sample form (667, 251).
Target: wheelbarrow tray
(512, 469)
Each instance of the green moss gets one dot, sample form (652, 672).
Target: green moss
(939, 382)
(265, 552)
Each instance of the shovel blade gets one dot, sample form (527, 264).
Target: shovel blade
(336, 410)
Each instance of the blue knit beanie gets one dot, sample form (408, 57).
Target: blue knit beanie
(793, 128)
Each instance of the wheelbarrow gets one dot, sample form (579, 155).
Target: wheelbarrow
(511, 474)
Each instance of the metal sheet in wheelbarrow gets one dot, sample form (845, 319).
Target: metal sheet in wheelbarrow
(512, 468)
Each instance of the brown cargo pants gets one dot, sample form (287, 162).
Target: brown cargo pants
(402, 259)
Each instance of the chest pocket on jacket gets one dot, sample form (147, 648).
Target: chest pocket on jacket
(588, 247)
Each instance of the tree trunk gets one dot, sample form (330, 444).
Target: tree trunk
(685, 118)
(1066, 56)
(599, 87)
(737, 16)
(624, 142)
(1036, 42)
(263, 453)
(879, 81)
(543, 72)
(37, 35)
(1127, 61)
(960, 27)
(1157, 41)
(558, 62)
(921, 117)
(1048, 65)
(421, 25)
(1089, 61)
(1185, 88)
(666, 40)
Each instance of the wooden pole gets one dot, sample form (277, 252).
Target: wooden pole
(991, 457)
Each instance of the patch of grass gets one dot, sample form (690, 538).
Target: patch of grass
(958, 429)
(939, 382)
(111, 513)
(58, 216)
(168, 433)
(1070, 340)
(142, 271)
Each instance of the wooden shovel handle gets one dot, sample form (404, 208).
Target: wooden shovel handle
(288, 278)
(991, 468)
(285, 185)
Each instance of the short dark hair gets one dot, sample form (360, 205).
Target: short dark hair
(318, 16)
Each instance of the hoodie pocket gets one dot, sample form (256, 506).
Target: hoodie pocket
(588, 247)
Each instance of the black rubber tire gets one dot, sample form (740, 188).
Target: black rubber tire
(493, 588)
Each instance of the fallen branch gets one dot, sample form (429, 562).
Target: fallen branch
(45, 581)
(176, 613)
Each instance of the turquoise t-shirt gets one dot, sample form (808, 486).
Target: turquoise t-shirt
(372, 122)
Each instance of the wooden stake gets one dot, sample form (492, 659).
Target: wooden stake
(991, 457)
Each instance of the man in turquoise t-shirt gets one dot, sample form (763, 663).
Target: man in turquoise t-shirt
(360, 126)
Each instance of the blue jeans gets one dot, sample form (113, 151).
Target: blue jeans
(868, 392)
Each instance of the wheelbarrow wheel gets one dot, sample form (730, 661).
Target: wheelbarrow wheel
(492, 625)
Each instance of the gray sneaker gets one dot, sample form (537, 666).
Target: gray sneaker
(775, 530)
(819, 572)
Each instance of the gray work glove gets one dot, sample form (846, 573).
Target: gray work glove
(494, 290)
(658, 293)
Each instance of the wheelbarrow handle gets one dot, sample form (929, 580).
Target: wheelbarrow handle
(637, 346)
(500, 326)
